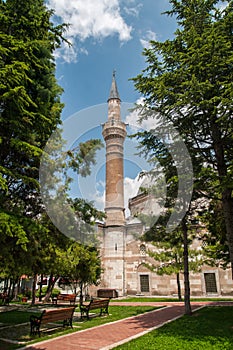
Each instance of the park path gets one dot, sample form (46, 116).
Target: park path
(109, 335)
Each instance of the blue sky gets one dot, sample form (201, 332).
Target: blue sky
(105, 36)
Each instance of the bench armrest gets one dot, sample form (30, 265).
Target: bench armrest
(83, 307)
(35, 324)
(34, 319)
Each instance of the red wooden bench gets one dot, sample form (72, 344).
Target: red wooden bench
(64, 297)
(101, 304)
(50, 316)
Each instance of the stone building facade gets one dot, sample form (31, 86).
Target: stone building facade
(123, 255)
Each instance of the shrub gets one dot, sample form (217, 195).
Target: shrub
(55, 292)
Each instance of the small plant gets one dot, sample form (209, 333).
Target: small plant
(22, 298)
(43, 292)
(55, 292)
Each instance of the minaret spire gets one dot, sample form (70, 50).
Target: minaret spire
(114, 91)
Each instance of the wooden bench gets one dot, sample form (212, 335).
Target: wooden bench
(93, 304)
(50, 316)
(64, 297)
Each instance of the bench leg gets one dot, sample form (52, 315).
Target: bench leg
(83, 311)
(35, 325)
(104, 310)
(68, 322)
(35, 328)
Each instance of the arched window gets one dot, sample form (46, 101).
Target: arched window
(142, 249)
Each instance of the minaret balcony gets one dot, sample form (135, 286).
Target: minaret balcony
(114, 129)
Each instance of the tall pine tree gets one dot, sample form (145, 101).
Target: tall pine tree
(189, 82)
(30, 110)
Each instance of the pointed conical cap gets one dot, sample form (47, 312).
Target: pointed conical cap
(114, 92)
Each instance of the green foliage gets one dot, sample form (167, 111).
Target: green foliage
(188, 82)
(30, 110)
(81, 264)
(83, 156)
(72, 217)
(54, 293)
(169, 255)
(215, 247)
(86, 210)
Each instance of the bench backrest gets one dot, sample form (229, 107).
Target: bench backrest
(98, 303)
(66, 296)
(57, 315)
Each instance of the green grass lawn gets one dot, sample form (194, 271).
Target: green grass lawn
(21, 333)
(210, 328)
(160, 299)
(15, 317)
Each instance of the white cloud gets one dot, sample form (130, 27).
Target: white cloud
(133, 119)
(133, 11)
(131, 187)
(149, 36)
(99, 195)
(96, 19)
(67, 53)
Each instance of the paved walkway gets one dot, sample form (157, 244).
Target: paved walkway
(108, 336)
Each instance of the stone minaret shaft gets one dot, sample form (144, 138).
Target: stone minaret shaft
(114, 133)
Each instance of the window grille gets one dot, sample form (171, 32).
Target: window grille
(144, 283)
(210, 282)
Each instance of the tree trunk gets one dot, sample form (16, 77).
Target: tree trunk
(18, 286)
(13, 290)
(41, 284)
(52, 281)
(10, 287)
(178, 286)
(188, 310)
(81, 294)
(34, 289)
(6, 282)
(17, 291)
(227, 203)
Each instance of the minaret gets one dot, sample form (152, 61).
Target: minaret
(114, 133)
